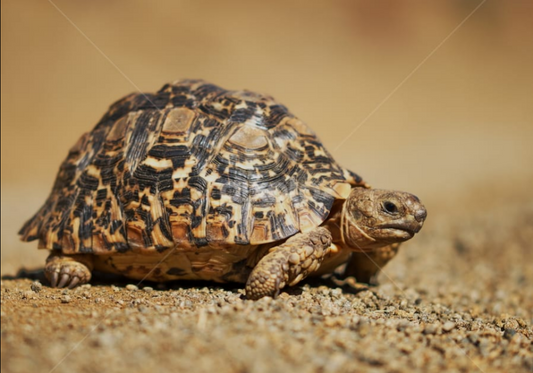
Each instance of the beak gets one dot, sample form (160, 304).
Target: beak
(420, 214)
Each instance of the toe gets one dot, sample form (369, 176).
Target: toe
(277, 288)
(64, 279)
(54, 278)
(74, 282)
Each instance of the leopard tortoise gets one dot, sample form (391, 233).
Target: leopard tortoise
(196, 182)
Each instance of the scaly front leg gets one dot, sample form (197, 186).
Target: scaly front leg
(288, 263)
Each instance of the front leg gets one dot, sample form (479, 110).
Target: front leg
(365, 266)
(288, 263)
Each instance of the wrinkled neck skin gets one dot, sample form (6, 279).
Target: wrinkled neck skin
(347, 236)
(354, 237)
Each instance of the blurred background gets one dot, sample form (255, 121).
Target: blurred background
(456, 130)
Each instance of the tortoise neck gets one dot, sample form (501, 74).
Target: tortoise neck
(346, 234)
(334, 222)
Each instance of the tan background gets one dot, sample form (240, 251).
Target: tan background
(458, 132)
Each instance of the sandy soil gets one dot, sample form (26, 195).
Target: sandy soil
(457, 298)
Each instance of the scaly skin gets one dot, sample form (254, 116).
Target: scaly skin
(289, 263)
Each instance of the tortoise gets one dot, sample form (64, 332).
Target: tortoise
(196, 182)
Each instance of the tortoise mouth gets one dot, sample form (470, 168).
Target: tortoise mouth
(399, 230)
(411, 228)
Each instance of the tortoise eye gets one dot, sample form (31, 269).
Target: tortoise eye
(390, 207)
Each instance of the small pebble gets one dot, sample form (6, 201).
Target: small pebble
(430, 329)
(509, 333)
(36, 286)
(131, 287)
(65, 299)
(28, 294)
(148, 289)
(448, 326)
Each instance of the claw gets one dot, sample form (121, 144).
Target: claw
(53, 280)
(64, 280)
(74, 282)
(277, 290)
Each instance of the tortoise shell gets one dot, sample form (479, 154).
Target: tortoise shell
(189, 166)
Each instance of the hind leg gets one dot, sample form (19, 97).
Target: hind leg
(68, 270)
(365, 266)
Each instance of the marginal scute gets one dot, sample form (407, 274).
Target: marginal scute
(189, 167)
(259, 233)
(135, 231)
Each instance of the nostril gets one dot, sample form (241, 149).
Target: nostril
(420, 215)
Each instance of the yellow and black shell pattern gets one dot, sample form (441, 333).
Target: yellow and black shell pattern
(192, 165)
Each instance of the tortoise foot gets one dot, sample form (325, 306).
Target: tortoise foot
(66, 271)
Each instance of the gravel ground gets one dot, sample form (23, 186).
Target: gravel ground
(458, 298)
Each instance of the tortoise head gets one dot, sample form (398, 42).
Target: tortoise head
(373, 218)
